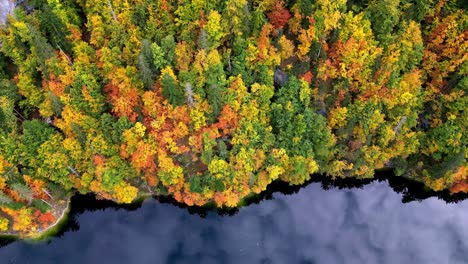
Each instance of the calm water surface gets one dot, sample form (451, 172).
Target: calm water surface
(368, 225)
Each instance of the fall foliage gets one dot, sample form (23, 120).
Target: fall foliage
(210, 101)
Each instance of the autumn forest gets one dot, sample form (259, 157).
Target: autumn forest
(211, 101)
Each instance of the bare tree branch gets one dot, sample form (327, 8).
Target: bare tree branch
(47, 203)
(74, 171)
(112, 10)
(190, 100)
(47, 192)
(68, 58)
(399, 125)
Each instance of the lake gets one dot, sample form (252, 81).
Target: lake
(310, 224)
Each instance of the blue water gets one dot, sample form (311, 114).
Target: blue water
(367, 225)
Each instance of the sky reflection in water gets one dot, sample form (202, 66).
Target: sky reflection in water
(368, 225)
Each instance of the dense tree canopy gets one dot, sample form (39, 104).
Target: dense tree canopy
(210, 101)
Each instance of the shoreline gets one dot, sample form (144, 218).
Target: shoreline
(41, 234)
(52, 229)
(408, 187)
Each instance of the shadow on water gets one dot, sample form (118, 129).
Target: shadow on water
(410, 191)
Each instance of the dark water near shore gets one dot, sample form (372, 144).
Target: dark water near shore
(310, 224)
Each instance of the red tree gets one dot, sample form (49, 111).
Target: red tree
(279, 15)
